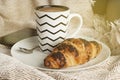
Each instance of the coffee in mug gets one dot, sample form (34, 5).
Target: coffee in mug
(52, 9)
(52, 25)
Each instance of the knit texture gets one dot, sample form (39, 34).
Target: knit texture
(13, 69)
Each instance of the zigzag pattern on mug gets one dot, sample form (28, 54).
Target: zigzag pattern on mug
(61, 23)
(50, 31)
(51, 39)
(47, 44)
(46, 50)
(51, 17)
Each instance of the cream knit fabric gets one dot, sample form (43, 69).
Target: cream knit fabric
(12, 69)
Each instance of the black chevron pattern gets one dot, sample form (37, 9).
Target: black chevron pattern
(51, 39)
(50, 17)
(50, 31)
(46, 50)
(61, 23)
(46, 44)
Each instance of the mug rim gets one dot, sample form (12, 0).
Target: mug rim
(59, 6)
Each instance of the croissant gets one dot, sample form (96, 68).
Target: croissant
(71, 52)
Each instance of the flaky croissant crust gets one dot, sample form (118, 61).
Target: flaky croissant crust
(71, 52)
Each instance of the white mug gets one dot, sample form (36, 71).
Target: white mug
(52, 25)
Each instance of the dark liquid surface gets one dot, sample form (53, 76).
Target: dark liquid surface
(52, 9)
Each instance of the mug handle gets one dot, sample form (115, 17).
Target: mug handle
(78, 27)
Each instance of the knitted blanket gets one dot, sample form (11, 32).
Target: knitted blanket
(12, 69)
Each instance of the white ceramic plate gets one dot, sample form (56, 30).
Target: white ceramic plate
(36, 59)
